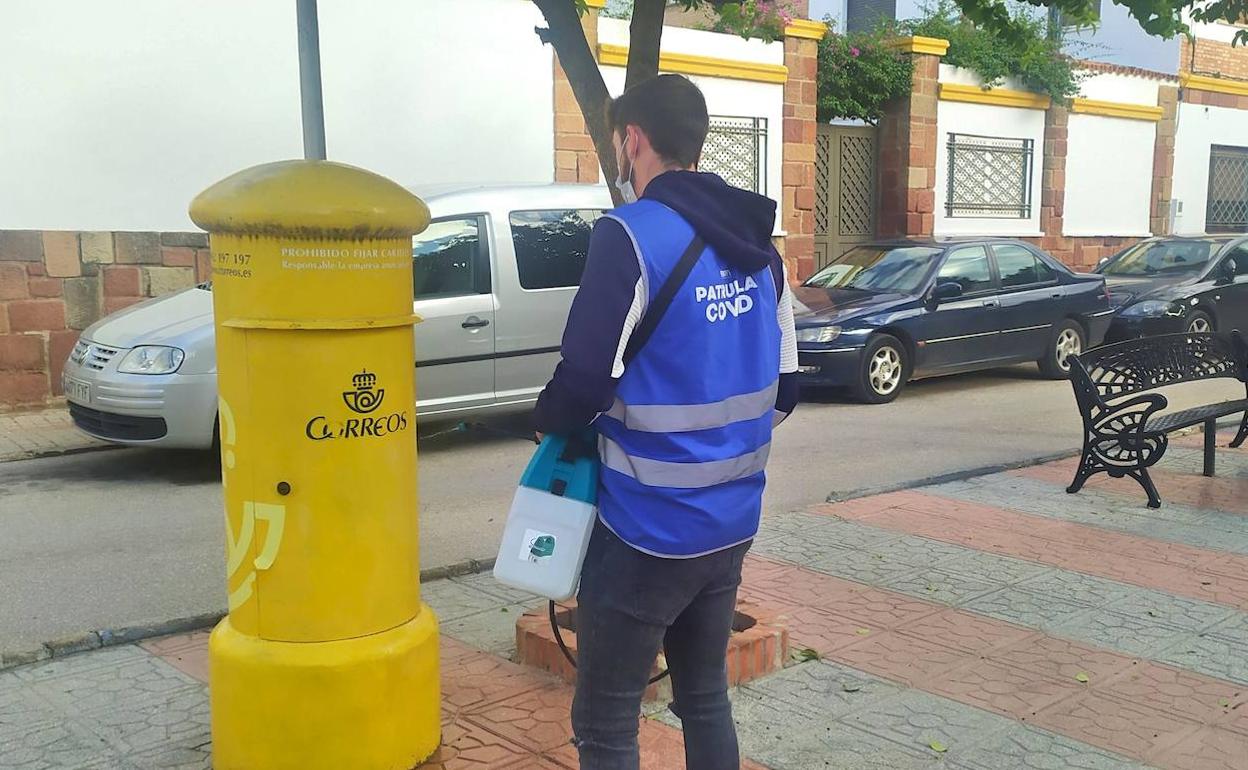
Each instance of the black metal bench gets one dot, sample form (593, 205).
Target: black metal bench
(1123, 432)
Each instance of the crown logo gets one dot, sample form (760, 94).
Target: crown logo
(363, 399)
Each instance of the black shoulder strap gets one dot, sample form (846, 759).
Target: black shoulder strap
(662, 300)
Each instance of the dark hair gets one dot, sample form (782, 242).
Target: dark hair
(670, 110)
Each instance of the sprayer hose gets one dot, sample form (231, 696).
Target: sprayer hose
(554, 626)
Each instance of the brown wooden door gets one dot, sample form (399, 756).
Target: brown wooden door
(844, 189)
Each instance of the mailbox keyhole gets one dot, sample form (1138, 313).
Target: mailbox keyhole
(283, 488)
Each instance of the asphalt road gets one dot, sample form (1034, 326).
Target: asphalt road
(133, 536)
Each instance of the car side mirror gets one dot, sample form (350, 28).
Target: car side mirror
(1104, 261)
(946, 290)
(1230, 269)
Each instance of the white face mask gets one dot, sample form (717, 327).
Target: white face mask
(624, 182)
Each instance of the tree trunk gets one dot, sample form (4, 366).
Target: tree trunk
(568, 38)
(645, 34)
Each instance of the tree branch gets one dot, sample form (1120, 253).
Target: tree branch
(645, 34)
(568, 38)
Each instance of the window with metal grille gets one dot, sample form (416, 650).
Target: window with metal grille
(1227, 210)
(736, 149)
(989, 176)
(866, 15)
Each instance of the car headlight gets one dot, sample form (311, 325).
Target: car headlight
(1153, 308)
(151, 359)
(818, 334)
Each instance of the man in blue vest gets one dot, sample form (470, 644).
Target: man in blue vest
(685, 427)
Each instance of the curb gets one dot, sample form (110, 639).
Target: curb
(112, 637)
(946, 478)
(44, 454)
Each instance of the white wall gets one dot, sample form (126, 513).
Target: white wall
(1199, 128)
(117, 114)
(723, 96)
(985, 120)
(1109, 161)
(1109, 176)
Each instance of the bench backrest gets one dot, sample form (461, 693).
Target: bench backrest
(1126, 368)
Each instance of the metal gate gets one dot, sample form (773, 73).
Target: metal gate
(1227, 209)
(844, 189)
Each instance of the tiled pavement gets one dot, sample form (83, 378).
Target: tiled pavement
(991, 624)
(42, 432)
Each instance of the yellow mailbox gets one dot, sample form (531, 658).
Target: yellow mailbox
(328, 658)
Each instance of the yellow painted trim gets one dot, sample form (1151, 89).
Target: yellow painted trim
(930, 45)
(1216, 85)
(807, 29)
(1000, 97)
(690, 64)
(596, 3)
(1117, 109)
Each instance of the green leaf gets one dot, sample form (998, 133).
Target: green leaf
(805, 654)
(1081, 677)
(938, 747)
(863, 631)
(851, 687)
(1225, 703)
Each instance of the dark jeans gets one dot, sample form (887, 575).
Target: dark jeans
(630, 604)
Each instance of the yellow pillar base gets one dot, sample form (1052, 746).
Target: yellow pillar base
(370, 703)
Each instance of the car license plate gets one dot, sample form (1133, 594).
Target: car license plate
(78, 391)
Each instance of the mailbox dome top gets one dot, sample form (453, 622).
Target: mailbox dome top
(314, 199)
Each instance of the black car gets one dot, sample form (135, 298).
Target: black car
(883, 314)
(1171, 285)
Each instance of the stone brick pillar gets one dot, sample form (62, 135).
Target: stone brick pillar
(575, 158)
(55, 283)
(1053, 186)
(907, 147)
(1163, 160)
(797, 178)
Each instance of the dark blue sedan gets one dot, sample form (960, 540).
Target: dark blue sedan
(1179, 284)
(883, 314)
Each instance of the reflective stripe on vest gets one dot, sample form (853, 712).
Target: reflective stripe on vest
(681, 418)
(659, 473)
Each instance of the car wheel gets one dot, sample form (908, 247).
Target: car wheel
(883, 371)
(1067, 340)
(1200, 322)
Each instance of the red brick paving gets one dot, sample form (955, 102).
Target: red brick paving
(1014, 692)
(1171, 567)
(1208, 748)
(1140, 709)
(964, 631)
(187, 653)
(1135, 730)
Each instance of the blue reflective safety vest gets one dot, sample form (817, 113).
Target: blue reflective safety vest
(685, 444)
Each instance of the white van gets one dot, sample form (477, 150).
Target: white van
(493, 278)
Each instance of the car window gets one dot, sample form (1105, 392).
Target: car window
(967, 267)
(551, 246)
(448, 259)
(1170, 256)
(1240, 255)
(878, 269)
(1019, 267)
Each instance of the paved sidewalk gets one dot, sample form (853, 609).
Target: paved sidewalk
(41, 432)
(990, 624)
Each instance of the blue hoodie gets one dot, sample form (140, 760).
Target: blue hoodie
(737, 223)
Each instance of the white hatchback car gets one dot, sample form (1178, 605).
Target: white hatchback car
(493, 279)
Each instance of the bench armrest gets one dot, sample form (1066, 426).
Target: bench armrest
(1128, 416)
